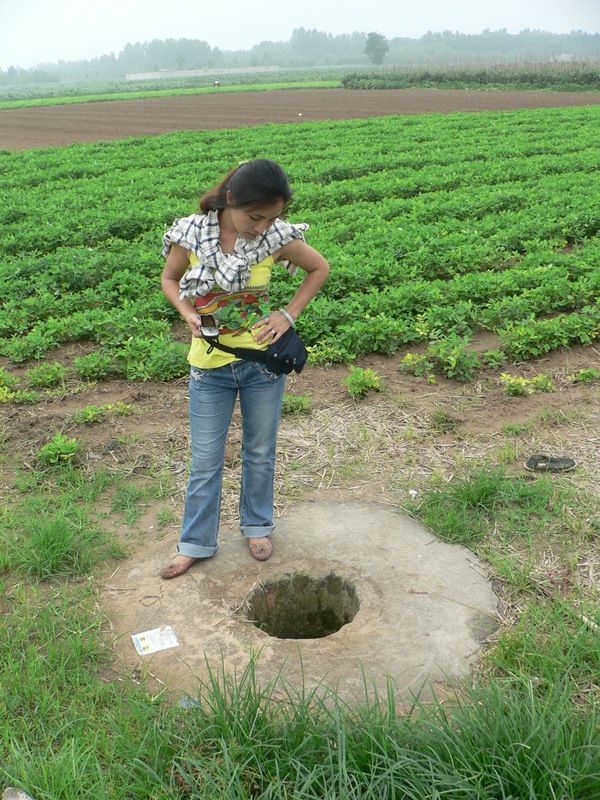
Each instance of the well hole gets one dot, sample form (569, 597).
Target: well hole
(301, 607)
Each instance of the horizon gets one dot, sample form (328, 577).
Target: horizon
(44, 64)
(41, 32)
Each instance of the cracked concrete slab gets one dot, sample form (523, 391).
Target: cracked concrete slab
(424, 606)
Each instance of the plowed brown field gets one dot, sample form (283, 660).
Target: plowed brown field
(55, 126)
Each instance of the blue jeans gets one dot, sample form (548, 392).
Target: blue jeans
(213, 393)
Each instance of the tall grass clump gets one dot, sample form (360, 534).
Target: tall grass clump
(550, 643)
(242, 740)
(66, 721)
(53, 536)
(462, 510)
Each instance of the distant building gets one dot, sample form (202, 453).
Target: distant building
(194, 73)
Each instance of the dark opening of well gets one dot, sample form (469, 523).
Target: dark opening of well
(301, 607)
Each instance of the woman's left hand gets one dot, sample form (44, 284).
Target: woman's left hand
(270, 328)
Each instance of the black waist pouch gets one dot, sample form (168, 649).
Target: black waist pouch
(286, 354)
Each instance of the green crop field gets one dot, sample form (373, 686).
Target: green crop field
(437, 228)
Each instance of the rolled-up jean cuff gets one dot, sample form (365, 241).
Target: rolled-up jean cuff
(195, 550)
(257, 531)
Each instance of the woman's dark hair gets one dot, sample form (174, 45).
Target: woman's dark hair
(254, 184)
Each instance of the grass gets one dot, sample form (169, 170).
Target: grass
(139, 94)
(243, 744)
(59, 720)
(526, 726)
(464, 510)
(242, 740)
(295, 404)
(50, 536)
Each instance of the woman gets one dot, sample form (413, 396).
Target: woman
(217, 271)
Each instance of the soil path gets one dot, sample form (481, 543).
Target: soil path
(56, 126)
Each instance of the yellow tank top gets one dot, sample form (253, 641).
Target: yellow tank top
(235, 313)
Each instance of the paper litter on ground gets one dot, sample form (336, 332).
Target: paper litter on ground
(154, 640)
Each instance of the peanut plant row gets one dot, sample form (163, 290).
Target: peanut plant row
(437, 228)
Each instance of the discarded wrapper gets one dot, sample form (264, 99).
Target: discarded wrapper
(155, 640)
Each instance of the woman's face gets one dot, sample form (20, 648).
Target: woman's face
(251, 222)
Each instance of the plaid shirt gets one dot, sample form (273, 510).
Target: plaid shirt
(230, 271)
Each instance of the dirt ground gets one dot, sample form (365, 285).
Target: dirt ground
(55, 126)
(382, 449)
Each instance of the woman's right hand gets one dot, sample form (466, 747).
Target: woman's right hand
(193, 322)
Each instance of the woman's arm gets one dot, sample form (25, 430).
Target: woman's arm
(317, 270)
(177, 263)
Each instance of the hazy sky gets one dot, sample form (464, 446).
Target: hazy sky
(41, 31)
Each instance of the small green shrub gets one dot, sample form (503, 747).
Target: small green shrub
(329, 354)
(451, 358)
(419, 366)
(46, 376)
(493, 359)
(542, 383)
(154, 359)
(295, 404)
(447, 357)
(92, 413)
(59, 450)
(17, 397)
(7, 381)
(515, 385)
(585, 376)
(362, 381)
(94, 366)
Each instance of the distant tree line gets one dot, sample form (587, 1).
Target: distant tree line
(313, 48)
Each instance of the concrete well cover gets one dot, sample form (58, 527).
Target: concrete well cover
(425, 606)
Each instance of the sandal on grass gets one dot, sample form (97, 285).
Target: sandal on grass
(260, 548)
(543, 463)
(177, 566)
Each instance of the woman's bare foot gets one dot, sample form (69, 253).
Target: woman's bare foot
(177, 566)
(260, 548)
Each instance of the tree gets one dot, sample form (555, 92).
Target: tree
(376, 47)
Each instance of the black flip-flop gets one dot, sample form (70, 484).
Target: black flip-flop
(543, 463)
